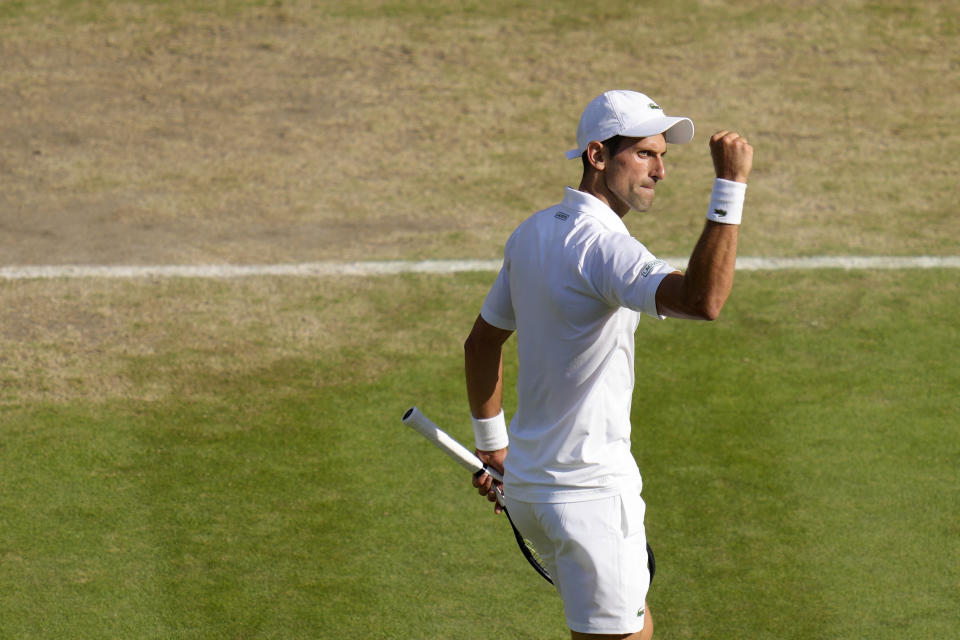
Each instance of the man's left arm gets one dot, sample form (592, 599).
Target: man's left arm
(701, 292)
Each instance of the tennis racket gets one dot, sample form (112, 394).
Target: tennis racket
(414, 419)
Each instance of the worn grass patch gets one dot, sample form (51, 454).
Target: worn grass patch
(102, 339)
(289, 131)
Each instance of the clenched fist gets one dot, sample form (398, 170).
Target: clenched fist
(732, 155)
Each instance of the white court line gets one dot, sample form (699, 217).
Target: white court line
(438, 266)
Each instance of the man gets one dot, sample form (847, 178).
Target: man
(573, 285)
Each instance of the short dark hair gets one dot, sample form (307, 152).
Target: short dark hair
(613, 144)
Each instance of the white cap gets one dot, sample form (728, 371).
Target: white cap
(630, 114)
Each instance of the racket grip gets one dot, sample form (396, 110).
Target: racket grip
(496, 489)
(490, 471)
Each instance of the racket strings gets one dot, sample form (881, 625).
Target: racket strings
(529, 551)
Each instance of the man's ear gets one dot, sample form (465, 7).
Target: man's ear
(595, 155)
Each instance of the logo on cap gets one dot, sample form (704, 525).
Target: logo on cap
(655, 106)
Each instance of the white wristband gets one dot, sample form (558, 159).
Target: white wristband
(490, 434)
(726, 201)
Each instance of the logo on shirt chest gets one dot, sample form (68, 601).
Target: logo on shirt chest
(561, 216)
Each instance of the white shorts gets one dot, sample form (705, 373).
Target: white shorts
(596, 553)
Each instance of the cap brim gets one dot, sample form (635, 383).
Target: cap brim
(681, 132)
(676, 130)
(574, 154)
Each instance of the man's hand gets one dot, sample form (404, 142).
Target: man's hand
(732, 155)
(484, 482)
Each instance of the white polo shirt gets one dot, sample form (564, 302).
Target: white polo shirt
(573, 286)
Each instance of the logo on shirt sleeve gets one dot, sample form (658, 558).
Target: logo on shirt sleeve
(560, 215)
(650, 266)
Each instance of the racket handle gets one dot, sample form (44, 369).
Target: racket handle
(415, 419)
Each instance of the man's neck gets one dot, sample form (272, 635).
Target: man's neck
(593, 184)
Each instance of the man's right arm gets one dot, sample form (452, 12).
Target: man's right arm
(483, 359)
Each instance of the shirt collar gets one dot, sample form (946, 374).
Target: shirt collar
(583, 203)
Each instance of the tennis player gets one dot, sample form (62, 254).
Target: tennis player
(574, 284)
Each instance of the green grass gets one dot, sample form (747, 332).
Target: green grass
(799, 456)
(813, 441)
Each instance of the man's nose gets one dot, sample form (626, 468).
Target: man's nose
(659, 170)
